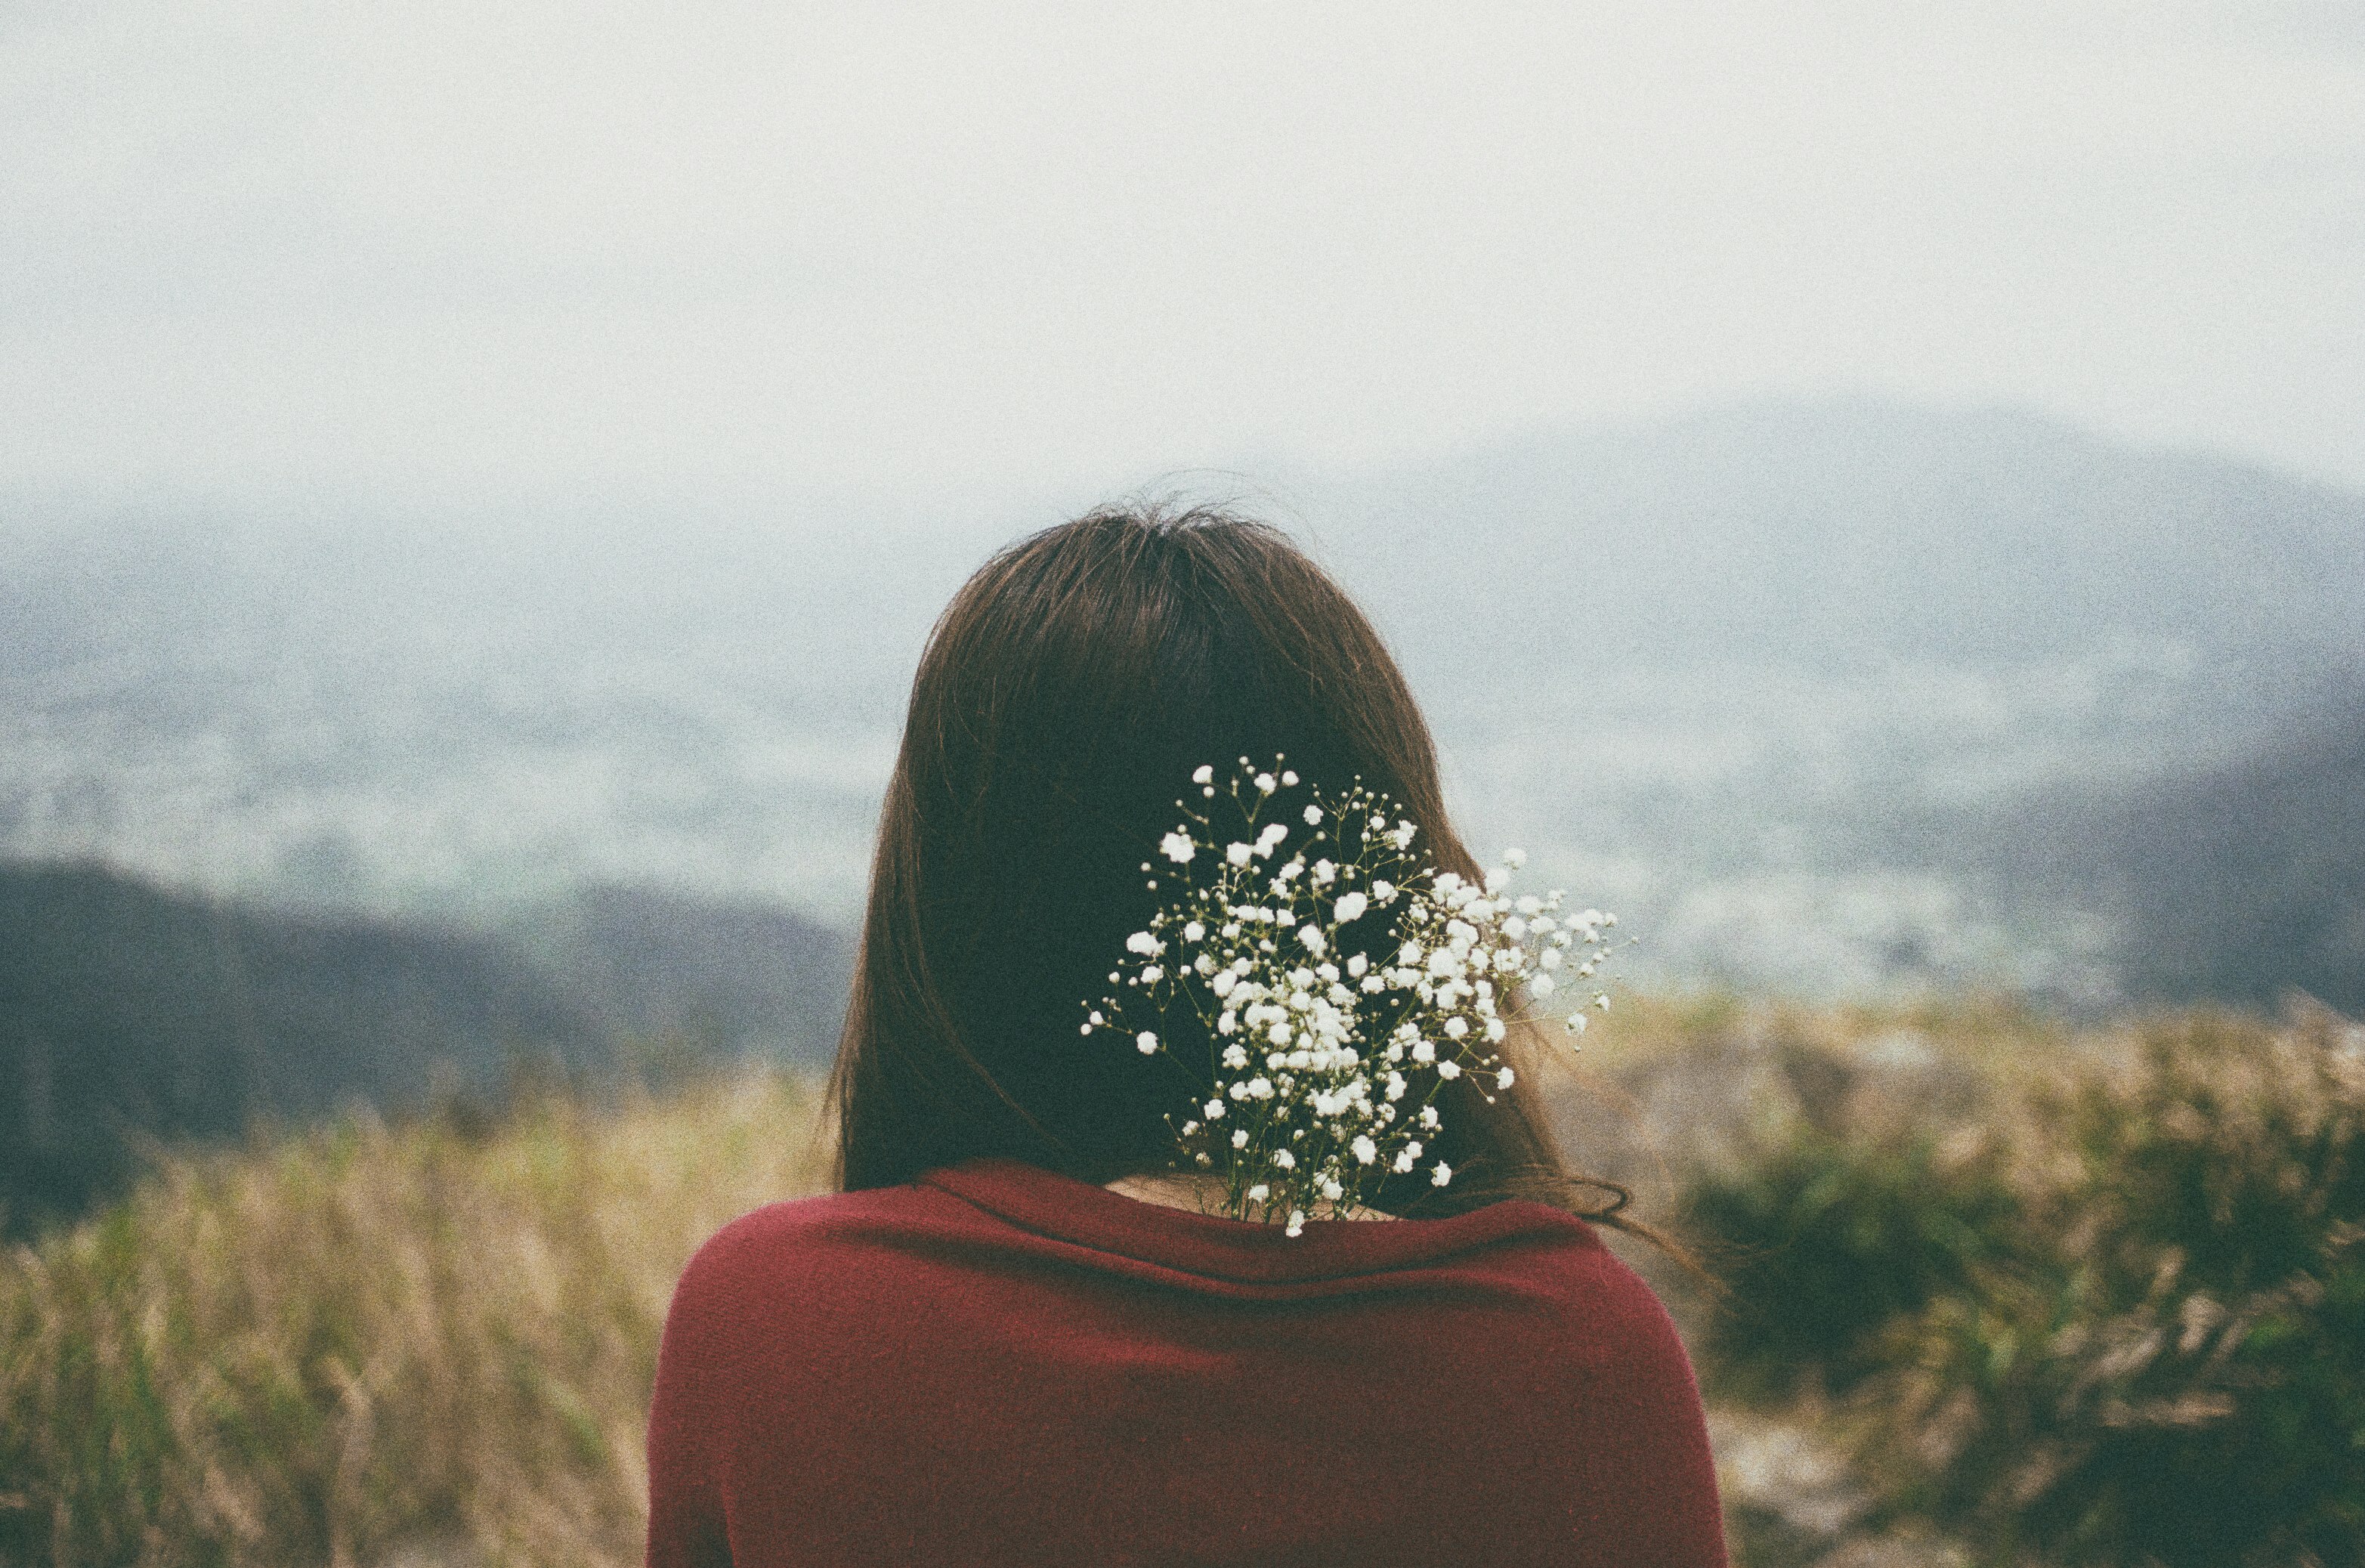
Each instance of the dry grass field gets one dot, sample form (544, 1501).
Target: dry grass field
(365, 1343)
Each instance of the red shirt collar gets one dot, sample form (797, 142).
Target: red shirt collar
(1062, 1207)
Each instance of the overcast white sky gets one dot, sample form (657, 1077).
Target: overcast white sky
(427, 254)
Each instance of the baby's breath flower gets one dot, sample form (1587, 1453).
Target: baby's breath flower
(1444, 1174)
(1323, 1045)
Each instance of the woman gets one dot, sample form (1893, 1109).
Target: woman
(1010, 1338)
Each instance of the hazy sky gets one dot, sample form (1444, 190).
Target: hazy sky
(430, 255)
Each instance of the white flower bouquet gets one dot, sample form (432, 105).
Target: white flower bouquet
(1340, 980)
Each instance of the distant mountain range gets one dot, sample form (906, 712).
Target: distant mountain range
(128, 1013)
(1832, 535)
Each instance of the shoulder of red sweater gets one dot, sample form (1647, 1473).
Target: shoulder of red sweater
(822, 1231)
(1606, 1307)
(767, 1231)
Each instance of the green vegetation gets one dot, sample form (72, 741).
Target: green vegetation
(2110, 1312)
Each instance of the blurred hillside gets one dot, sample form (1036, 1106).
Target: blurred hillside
(130, 1017)
(2240, 881)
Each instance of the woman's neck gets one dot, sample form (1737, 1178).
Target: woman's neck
(1204, 1195)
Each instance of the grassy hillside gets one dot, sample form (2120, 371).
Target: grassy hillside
(131, 1013)
(321, 1350)
(2001, 1292)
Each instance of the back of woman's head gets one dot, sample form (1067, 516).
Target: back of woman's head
(1066, 696)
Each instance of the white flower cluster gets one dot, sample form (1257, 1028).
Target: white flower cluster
(1340, 981)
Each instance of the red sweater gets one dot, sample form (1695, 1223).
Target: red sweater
(999, 1365)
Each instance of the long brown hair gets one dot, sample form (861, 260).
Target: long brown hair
(1065, 696)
